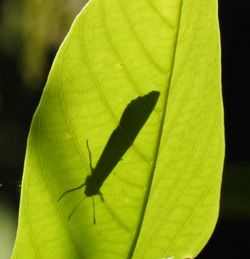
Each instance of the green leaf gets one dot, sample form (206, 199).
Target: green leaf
(161, 199)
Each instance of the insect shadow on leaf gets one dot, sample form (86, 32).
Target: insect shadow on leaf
(133, 118)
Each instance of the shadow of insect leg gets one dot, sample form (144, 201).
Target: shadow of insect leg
(93, 203)
(71, 190)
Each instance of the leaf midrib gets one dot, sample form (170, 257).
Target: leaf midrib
(158, 141)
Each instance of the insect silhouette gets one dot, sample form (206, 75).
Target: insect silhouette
(133, 118)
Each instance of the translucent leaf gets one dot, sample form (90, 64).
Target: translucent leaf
(161, 198)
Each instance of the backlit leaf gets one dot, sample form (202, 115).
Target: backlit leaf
(161, 199)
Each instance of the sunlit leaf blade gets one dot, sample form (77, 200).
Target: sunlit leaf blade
(162, 198)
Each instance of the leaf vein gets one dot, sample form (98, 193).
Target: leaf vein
(150, 180)
(143, 47)
(203, 196)
(160, 15)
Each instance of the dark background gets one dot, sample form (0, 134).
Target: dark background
(18, 103)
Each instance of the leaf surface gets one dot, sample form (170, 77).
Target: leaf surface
(162, 198)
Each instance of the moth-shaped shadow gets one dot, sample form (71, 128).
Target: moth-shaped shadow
(133, 118)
